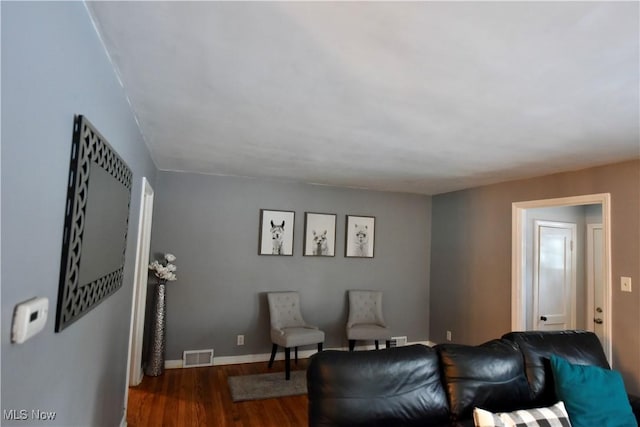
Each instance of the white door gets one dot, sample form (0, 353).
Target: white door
(595, 281)
(134, 370)
(554, 276)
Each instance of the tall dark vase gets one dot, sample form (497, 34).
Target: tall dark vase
(157, 342)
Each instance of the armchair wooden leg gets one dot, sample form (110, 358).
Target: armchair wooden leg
(319, 347)
(287, 363)
(352, 345)
(274, 349)
(387, 343)
(377, 345)
(296, 355)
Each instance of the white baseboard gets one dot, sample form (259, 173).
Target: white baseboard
(264, 357)
(173, 364)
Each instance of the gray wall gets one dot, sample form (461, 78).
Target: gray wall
(471, 256)
(54, 66)
(593, 214)
(211, 224)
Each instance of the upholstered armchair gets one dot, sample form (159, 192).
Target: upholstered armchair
(288, 328)
(366, 322)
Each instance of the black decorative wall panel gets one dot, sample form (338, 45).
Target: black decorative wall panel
(89, 149)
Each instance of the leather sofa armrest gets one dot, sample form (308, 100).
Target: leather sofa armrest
(635, 406)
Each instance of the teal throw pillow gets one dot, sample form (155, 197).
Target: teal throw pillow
(592, 395)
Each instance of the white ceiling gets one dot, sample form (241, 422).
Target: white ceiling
(422, 97)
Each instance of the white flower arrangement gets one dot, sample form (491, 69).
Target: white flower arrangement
(164, 270)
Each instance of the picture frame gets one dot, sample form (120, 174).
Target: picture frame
(94, 237)
(276, 232)
(319, 234)
(360, 236)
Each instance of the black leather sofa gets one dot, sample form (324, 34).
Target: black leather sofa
(439, 386)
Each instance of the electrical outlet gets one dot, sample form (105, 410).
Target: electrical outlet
(625, 284)
(240, 340)
(448, 335)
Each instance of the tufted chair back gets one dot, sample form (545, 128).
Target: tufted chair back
(284, 309)
(365, 307)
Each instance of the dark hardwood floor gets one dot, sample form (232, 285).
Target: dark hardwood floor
(201, 397)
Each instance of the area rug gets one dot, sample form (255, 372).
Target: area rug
(266, 386)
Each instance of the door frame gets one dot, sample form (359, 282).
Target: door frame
(518, 256)
(139, 293)
(536, 266)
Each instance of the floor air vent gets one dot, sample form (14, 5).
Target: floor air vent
(398, 341)
(193, 358)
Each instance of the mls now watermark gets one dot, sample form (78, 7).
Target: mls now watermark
(25, 414)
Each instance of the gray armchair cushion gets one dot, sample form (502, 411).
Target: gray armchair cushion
(368, 332)
(296, 337)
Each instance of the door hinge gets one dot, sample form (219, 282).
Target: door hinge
(571, 245)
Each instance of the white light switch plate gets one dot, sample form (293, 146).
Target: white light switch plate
(625, 284)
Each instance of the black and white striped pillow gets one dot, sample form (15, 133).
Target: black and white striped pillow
(553, 416)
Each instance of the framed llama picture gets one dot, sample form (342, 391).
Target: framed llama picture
(319, 234)
(360, 236)
(276, 232)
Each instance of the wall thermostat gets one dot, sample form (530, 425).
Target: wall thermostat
(29, 318)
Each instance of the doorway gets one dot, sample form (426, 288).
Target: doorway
(139, 298)
(585, 303)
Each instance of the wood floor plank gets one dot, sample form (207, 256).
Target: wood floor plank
(201, 397)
